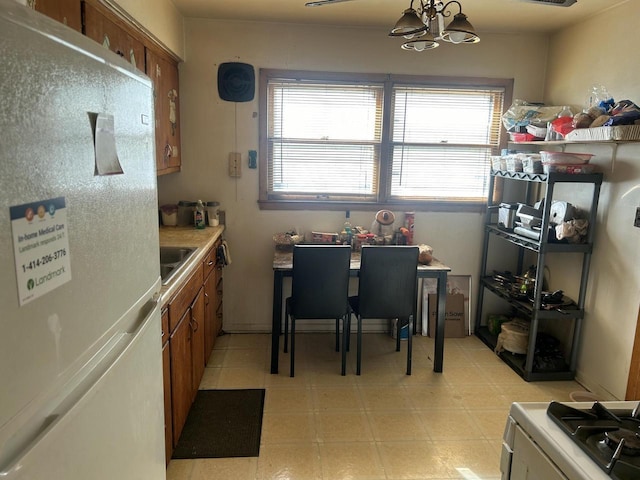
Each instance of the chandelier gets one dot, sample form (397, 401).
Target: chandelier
(423, 26)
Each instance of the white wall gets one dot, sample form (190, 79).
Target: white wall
(161, 18)
(211, 128)
(602, 51)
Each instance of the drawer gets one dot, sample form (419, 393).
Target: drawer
(209, 261)
(183, 299)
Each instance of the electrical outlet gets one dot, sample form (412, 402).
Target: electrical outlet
(636, 222)
(234, 164)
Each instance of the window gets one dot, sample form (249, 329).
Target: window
(377, 139)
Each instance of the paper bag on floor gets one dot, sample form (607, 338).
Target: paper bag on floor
(455, 322)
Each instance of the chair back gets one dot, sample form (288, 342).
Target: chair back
(320, 284)
(388, 281)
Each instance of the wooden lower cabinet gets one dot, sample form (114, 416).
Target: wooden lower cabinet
(198, 359)
(181, 371)
(210, 302)
(193, 318)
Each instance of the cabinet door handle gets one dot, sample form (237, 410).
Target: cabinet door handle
(167, 152)
(194, 324)
(206, 298)
(211, 262)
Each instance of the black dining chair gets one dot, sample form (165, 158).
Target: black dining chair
(386, 290)
(319, 290)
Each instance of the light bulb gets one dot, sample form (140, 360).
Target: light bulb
(419, 46)
(457, 37)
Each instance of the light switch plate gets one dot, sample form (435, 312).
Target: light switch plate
(234, 164)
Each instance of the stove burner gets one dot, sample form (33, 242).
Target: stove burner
(631, 439)
(610, 437)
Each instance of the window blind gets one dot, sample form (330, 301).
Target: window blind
(441, 141)
(380, 139)
(324, 139)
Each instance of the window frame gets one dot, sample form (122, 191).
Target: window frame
(266, 202)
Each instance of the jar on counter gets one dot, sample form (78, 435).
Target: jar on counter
(212, 213)
(185, 213)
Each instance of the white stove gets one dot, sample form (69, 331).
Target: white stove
(537, 447)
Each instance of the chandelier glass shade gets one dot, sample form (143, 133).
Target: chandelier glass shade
(424, 26)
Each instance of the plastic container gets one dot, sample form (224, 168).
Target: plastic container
(498, 163)
(169, 215)
(538, 132)
(567, 168)
(532, 164)
(583, 396)
(565, 158)
(212, 213)
(199, 215)
(514, 163)
(522, 137)
(185, 213)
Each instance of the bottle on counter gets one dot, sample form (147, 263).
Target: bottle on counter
(346, 235)
(198, 215)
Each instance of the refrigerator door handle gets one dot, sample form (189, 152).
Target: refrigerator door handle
(75, 392)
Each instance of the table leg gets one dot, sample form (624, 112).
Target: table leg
(441, 307)
(276, 319)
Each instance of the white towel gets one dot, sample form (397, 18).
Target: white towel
(226, 253)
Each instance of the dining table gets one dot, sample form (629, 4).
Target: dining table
(283, 267)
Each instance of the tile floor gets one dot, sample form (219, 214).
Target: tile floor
(382, 425)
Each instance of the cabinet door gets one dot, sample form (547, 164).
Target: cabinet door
(181, 371)
(219, 291)
(113, 34)
(210, 304)
(68, 12)
(163, 71)
(197, 344)
(168, 426)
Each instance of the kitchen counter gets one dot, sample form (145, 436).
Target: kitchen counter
(202, 240)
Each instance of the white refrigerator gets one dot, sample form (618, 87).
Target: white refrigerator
(81, 395)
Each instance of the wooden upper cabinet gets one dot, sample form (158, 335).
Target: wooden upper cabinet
(113, 33)
(163, 71)
(64, 11)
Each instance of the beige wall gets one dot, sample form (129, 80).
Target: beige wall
(602, 51)
(212, 128)
(161, 18)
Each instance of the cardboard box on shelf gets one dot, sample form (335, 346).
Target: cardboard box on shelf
(455, 321)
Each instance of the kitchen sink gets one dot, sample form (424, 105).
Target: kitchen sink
(171, 259)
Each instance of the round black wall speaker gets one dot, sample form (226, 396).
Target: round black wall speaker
(236, 82)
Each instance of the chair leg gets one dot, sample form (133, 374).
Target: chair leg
(286, 327)
(293, 345)
(359, 353)
(398, 330)
(350, 314)
(345, 332)
(338, 333)
(409, 344)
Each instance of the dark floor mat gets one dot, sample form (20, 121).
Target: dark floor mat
(223, 423)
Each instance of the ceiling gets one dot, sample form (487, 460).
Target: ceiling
(495, 16)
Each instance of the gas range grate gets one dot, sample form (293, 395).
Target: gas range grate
(608, 436)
